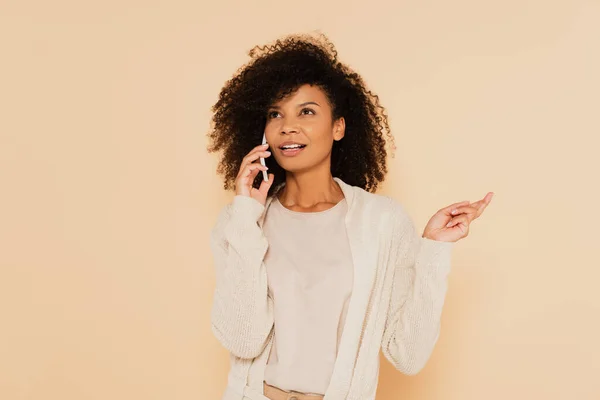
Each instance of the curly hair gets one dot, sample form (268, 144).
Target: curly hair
(279, 69)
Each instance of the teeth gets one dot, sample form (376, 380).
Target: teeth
(293, 146)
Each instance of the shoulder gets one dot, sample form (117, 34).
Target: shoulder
(384, 213)
(383, 205)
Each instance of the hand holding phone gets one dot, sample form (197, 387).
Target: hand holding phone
(262, 161)
(249, 169)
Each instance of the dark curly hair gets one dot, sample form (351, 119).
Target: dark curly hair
(278, 70)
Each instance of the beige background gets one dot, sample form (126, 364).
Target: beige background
(108, 195)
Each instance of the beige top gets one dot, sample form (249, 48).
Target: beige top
(400, 284)
(310, 277)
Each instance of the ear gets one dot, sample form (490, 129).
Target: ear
(339, 128)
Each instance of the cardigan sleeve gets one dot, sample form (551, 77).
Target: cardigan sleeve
(421, 268)
(242, 311)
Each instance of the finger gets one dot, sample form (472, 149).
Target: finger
(255, 155)
(482, 205)
(486, 200)
(250, 171)
(260, 149)
(264, 186)
(461, 219)
(465, 210)
(451, 207)
(476, 203)
(253, 174)
(479, 205)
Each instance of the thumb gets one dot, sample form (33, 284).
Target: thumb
(264, 186)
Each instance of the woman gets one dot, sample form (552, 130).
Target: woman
(315, 272)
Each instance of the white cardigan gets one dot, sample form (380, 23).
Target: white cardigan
(400, 283)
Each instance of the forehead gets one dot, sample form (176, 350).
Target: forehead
(303, 94)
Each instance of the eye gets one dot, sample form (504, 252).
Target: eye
(307, 109)
(270, 114)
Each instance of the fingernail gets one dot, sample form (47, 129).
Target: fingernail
(449, 223)
(266, 145)
(454, 211)
(268, 152)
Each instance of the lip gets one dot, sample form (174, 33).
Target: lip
(289, 142)
(293, 152)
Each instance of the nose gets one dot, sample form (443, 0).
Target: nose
(288, 131)
(289, 126)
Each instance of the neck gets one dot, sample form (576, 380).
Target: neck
(310, 188)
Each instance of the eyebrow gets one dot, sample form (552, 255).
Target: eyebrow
(299, 105)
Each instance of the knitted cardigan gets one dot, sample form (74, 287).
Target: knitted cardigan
(400, 284)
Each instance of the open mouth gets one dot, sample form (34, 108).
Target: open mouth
(292, 150)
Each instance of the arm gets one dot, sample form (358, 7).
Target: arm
(242, 312)
(421, 267)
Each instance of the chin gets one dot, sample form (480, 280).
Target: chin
(296, 167)
(300, 164)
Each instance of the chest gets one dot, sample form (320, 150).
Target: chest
(308, 259)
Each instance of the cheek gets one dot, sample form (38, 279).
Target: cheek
(271, 132)
(316, 131)
(322, 135)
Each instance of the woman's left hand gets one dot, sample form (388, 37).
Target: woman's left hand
(451, 223)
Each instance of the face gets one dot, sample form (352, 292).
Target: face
(300, 130)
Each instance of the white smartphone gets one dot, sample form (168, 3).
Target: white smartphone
(262, 161)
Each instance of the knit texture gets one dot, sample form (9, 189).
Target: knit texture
(400, 284)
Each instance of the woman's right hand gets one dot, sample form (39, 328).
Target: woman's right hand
(249, 168)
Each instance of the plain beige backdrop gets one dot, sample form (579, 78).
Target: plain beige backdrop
(107, 194)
